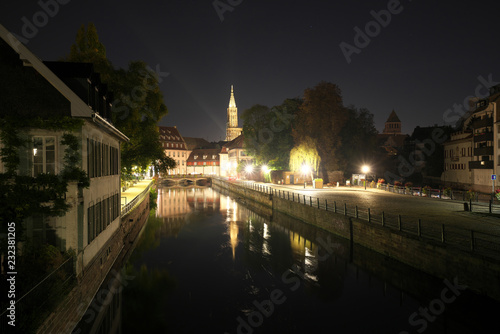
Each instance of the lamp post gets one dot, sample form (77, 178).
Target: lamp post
(305, 170)
(365, 169)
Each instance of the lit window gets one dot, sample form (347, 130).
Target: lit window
(44, 155)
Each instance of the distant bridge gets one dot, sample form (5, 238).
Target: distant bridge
(186, 180)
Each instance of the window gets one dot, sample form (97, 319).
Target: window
(204, 156)
(44, 155)
(195, 157)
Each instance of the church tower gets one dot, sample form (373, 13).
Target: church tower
(393, 124)
(232, 129)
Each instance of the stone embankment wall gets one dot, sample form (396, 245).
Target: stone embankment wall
(71, 310)
(479, 273)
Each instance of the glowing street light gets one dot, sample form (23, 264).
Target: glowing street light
(264, 168)
(249, 169)
(365, 169)
(305, 170)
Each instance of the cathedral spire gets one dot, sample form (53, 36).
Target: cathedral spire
(232, 102)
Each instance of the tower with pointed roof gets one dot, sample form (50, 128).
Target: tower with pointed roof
(393, 124)
(232, 129)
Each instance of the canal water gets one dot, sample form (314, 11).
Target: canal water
(206, 263)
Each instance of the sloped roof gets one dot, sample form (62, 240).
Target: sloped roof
(78, 107)
(236, 143)
(393, 118)
(204, 154)
(194, 143)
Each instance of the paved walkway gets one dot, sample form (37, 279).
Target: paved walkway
(411, 208)
(132, 192)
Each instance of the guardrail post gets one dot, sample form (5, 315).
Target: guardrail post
(326, 204)
(399, 222)
(369, 220)
(470, 204)
(318, 202)
(304, 199)
(490, 205)
(334, 206)
(419, 227)
(293, 197)
(288, 195)
(471, 240)
(310, 201)
(383, 218)
(356, 211)
(442, 233)
(345, 209)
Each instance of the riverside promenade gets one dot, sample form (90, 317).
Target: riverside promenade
(411, 208)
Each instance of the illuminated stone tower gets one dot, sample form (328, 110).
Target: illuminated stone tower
(232, 129)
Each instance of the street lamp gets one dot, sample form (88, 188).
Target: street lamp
(365, 169)
(249, 169)
(305, 170)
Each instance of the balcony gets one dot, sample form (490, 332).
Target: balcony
(481, 164)
(485, 136)
(481, 123)
(483, 151)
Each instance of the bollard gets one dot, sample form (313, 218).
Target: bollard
(326, 205)
(318, 203)
(356, 211)
(470, 204)
(369, 220)
(490, 205)
(383, 218)
(345, 209)
(304, 199)
(442, 233)
(293, 197)
(310, 201)
(419, 227)
(399, 222)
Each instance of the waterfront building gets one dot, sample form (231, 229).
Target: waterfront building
(36, 94)
(204, 161)
(471, 156)
(175, 147)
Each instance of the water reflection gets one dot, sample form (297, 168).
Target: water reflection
(207, 263)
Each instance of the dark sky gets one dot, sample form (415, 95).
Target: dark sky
(427, 59)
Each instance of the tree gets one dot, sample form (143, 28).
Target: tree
(163, 164)
(139, 102)
(321, 118)
(268, 133)
(306, 154)
(359, 141)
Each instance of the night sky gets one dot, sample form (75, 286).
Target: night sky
(428, 57)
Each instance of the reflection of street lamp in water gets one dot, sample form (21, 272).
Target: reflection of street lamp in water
(365, 169)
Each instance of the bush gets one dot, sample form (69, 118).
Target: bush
(470, 195)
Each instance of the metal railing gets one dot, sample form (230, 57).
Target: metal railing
(137, 200)
(466, 239)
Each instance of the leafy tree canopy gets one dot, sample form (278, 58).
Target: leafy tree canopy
(138, 104)
(321, 117)
(268, 133)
